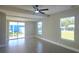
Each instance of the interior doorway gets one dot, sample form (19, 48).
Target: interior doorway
(16, 30)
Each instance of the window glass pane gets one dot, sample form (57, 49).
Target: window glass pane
(39, 26)
(12, 30)
(16, 30)
(21, 29)
(67, 26)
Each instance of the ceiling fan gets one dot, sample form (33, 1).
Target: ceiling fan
(37, 10)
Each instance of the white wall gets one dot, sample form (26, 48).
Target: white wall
(29, 29)
(2, 29)
(51, 28)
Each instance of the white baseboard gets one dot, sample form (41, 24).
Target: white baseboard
(62, 45)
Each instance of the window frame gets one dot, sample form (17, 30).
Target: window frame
(70, 27)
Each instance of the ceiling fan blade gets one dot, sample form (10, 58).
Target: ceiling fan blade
(43, 9)
(44, 13)
(41, 12)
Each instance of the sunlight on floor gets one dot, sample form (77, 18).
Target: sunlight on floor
(16, 42)
(39, 47)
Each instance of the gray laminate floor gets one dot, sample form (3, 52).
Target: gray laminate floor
(32, 45)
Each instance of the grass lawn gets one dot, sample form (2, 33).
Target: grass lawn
(67, 35)
(15, 33)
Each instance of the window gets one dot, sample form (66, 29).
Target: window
(16, 30)
(67, 26)
(39, 27)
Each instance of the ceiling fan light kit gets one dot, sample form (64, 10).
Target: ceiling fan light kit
(36, 11)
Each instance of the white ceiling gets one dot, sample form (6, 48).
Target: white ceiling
(28, 11)
(52, 8)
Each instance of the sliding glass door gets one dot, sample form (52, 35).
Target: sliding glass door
(21, 30)
(16, 30)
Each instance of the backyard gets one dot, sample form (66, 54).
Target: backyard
(13, 35)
